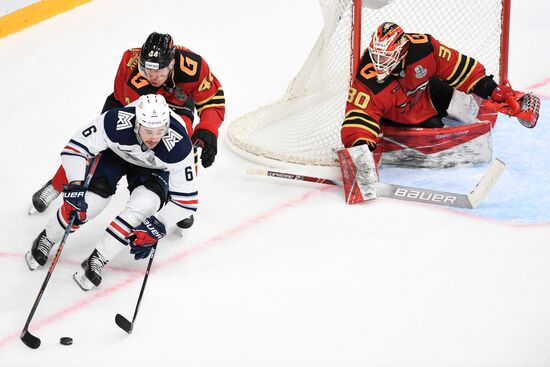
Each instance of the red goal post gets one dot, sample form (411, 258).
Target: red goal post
(303, 127)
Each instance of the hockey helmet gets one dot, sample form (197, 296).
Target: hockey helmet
(157, 52)
(152, 112)
(387, 48)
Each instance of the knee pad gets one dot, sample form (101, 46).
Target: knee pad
(101, 186)
(158, 190)
(142, 204)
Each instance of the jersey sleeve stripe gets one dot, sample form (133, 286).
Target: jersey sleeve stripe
(85, 148)
(467, 76)
(175, 193)
(465, 67)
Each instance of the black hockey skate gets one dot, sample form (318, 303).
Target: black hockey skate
(39, 252)
(43, 198)
(90, 274)
(186, 223)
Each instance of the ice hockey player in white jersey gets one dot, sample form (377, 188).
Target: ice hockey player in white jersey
(147, 143)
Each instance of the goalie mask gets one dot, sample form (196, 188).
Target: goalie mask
(387, 48)
(153, 113)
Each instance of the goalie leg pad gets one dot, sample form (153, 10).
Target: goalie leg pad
(359, 174)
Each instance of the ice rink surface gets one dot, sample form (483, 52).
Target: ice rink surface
(272, 274)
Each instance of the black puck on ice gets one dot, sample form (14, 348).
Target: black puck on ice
(66, 340)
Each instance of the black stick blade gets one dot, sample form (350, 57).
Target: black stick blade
(122, 323)
(30, 340)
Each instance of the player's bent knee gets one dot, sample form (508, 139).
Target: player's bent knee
(101, 187)
(142, 204)
(157, 189)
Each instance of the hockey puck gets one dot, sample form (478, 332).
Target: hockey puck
(66, 340)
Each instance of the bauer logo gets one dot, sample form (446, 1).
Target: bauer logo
(424, 196)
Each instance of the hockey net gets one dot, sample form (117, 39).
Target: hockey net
(303, 127)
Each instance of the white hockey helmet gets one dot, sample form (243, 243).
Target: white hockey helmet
(152, 112)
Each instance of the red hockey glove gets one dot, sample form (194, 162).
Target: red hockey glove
(502, 92)
(74, 202)
(145, 236)
(524, 107)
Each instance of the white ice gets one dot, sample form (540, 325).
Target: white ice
(271, 274)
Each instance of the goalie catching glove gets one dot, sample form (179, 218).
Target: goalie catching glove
(145, 236)
(523, 106)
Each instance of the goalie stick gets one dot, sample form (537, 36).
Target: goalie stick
(420, 195)
(122, 321)
(30, 340)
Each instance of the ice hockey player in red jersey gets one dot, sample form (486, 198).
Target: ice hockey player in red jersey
(183, 78)
(407, 79)
(147, 143)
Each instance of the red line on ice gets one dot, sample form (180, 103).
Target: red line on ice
(101, 293)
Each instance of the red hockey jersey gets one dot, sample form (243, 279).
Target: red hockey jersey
(403, 97)
(190, 78)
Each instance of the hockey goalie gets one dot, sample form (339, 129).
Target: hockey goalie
(402, 104)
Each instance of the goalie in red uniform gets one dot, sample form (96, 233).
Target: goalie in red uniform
(183, 78)
(407, 79)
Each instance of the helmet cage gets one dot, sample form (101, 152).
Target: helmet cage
(386, 49)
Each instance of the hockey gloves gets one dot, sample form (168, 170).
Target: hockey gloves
(502, 92)
(208, 143)
(74, 202)
(525, 107)
(145, 236)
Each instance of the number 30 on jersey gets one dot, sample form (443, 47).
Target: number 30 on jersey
(360, 99)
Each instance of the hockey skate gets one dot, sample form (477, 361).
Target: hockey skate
(38, 254)
(43, 198)
(90, 274)
(184, 224)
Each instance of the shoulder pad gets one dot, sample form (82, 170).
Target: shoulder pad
(367, 76)
(119, 125)
(175, 145)
(187, 67)
(420, 46)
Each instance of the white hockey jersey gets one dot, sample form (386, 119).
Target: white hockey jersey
(114, 130)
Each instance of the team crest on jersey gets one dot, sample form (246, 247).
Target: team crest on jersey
(124, 120)
(420, 72)
(171, 139)
(180, 94)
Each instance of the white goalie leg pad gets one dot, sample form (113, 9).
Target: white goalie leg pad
(56, 226)
(359, 174)
(464, 107)
(142, 204)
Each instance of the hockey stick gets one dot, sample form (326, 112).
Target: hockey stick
(420, 195)
(120, 320)
(30, 340)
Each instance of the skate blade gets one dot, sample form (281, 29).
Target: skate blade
(31, 262)
(32, 210)
(83, 282)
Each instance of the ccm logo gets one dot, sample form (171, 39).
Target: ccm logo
(74, 194)
(424, 196)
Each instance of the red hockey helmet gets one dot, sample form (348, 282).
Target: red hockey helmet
(387, 49)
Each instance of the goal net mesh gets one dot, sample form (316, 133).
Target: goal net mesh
(303, 127)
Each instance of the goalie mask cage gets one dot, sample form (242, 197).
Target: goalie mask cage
(303, 127)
